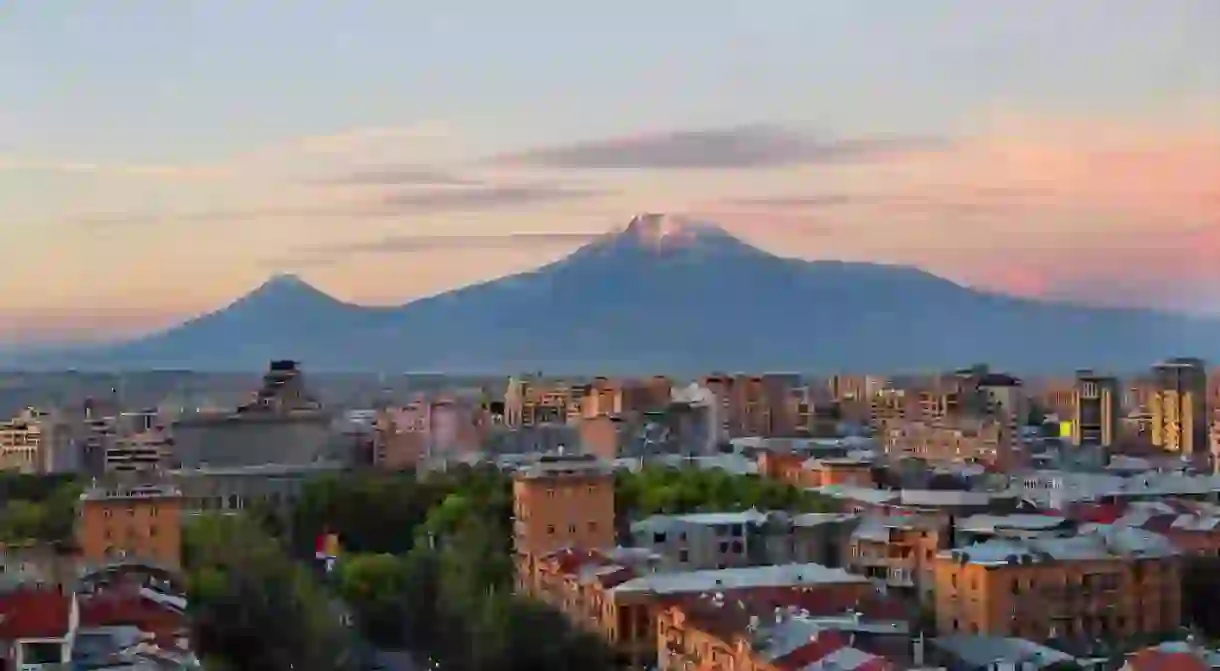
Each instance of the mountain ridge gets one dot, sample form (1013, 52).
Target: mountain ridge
(673, 295)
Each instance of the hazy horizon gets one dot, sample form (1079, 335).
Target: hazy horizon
(159, 159)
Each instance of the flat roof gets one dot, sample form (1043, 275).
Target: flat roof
(783, 575)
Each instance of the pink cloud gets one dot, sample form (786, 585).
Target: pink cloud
(1072, 208)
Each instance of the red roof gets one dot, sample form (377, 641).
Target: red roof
(34, 614)
(1152, 659)
(1097, 513)
(826, 644)
(121, 607)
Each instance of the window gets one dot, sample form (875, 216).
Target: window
(683, 556)
(152, 531)
(724, 547)
(737, 547)
(550, 493)
(592, 526)
(152, 511)
(106, 513)
(571, 528)
(550, 529)
(658, 537)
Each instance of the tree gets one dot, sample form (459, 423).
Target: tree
(375, 587)
(251, 606)
(685, 490)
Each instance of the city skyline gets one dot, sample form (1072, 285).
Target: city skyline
(159, 160)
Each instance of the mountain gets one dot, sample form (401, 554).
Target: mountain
(664, 294)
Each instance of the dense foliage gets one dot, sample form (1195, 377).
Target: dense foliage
(37, 508)
(252, 607)
(676, 491)
(426, 566)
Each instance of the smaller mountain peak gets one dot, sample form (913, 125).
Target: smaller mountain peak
(661, 231)
(285, 280)
(281, 285)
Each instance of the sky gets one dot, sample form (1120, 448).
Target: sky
(158, 159)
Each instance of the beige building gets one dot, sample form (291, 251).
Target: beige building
(1108, 582)
(36, 441)
(981, 440)
(21, 439)
(1180, 420)
(1096, 407)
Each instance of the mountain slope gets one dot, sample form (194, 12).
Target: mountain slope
(669, 295)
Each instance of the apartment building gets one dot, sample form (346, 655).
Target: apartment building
(899, 551)
(1180, 419)
(968, 439)
(620, 598)
(144, 452)
(604, 396)
(756, 405)
(1107, 582)
(717, 633)
(128, 520)
(702, 541)
(1096, 409)
(39, 441)
(561, 502)
(21, 440)
(530, 402)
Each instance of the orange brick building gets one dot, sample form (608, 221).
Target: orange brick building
(1109, 582)
(141, 521)
(561, 502)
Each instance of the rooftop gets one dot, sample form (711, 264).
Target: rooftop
(34, 613)
(1095, 542)
(120, 492)
(785, 575)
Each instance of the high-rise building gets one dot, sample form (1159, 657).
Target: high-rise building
(1095, 409)
(1179, 406)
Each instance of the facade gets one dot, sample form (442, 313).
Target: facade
(21, 440)
(136, 521)
(1107, 582)
(146, 451)
(276, 486)
(37, 441)
(714, 633)
(1096, 408)
(899, 551)
(282, 424)
(429, 428)
(756, 405)
(561, 502)
(705, 541)
(34, 563)
(983, 440)
(529, 402)
(1180, 420)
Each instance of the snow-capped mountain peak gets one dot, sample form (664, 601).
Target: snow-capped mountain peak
(666, 231)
